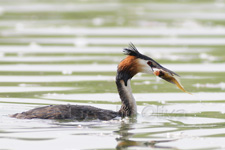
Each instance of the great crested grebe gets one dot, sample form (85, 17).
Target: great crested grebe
(134, 63)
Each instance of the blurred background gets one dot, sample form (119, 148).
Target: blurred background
(59, 52)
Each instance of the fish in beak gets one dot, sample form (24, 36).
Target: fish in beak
(166, 74)
(170, 78)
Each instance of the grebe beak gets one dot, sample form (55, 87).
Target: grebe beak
(154, 65)
(165, 74)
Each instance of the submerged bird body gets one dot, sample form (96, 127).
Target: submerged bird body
(134, 63)
(75, 112)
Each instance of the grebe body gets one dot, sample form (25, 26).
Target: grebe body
(74, 112)
(134, 63)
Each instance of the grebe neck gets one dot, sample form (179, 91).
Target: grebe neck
(128, 107)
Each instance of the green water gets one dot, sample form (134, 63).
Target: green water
(66, 52)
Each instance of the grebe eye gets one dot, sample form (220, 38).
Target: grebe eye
(149, 63)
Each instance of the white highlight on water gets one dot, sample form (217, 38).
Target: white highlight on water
(205, 67)
(114, 97)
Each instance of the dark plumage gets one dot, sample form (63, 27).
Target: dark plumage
(76, 112)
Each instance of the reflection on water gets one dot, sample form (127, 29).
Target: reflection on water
(60, 52)
(125, 138)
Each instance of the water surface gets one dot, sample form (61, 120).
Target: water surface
(66, 52)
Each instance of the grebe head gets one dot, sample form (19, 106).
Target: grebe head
(136, 62)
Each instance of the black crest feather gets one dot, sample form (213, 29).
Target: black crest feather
(131, 50)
